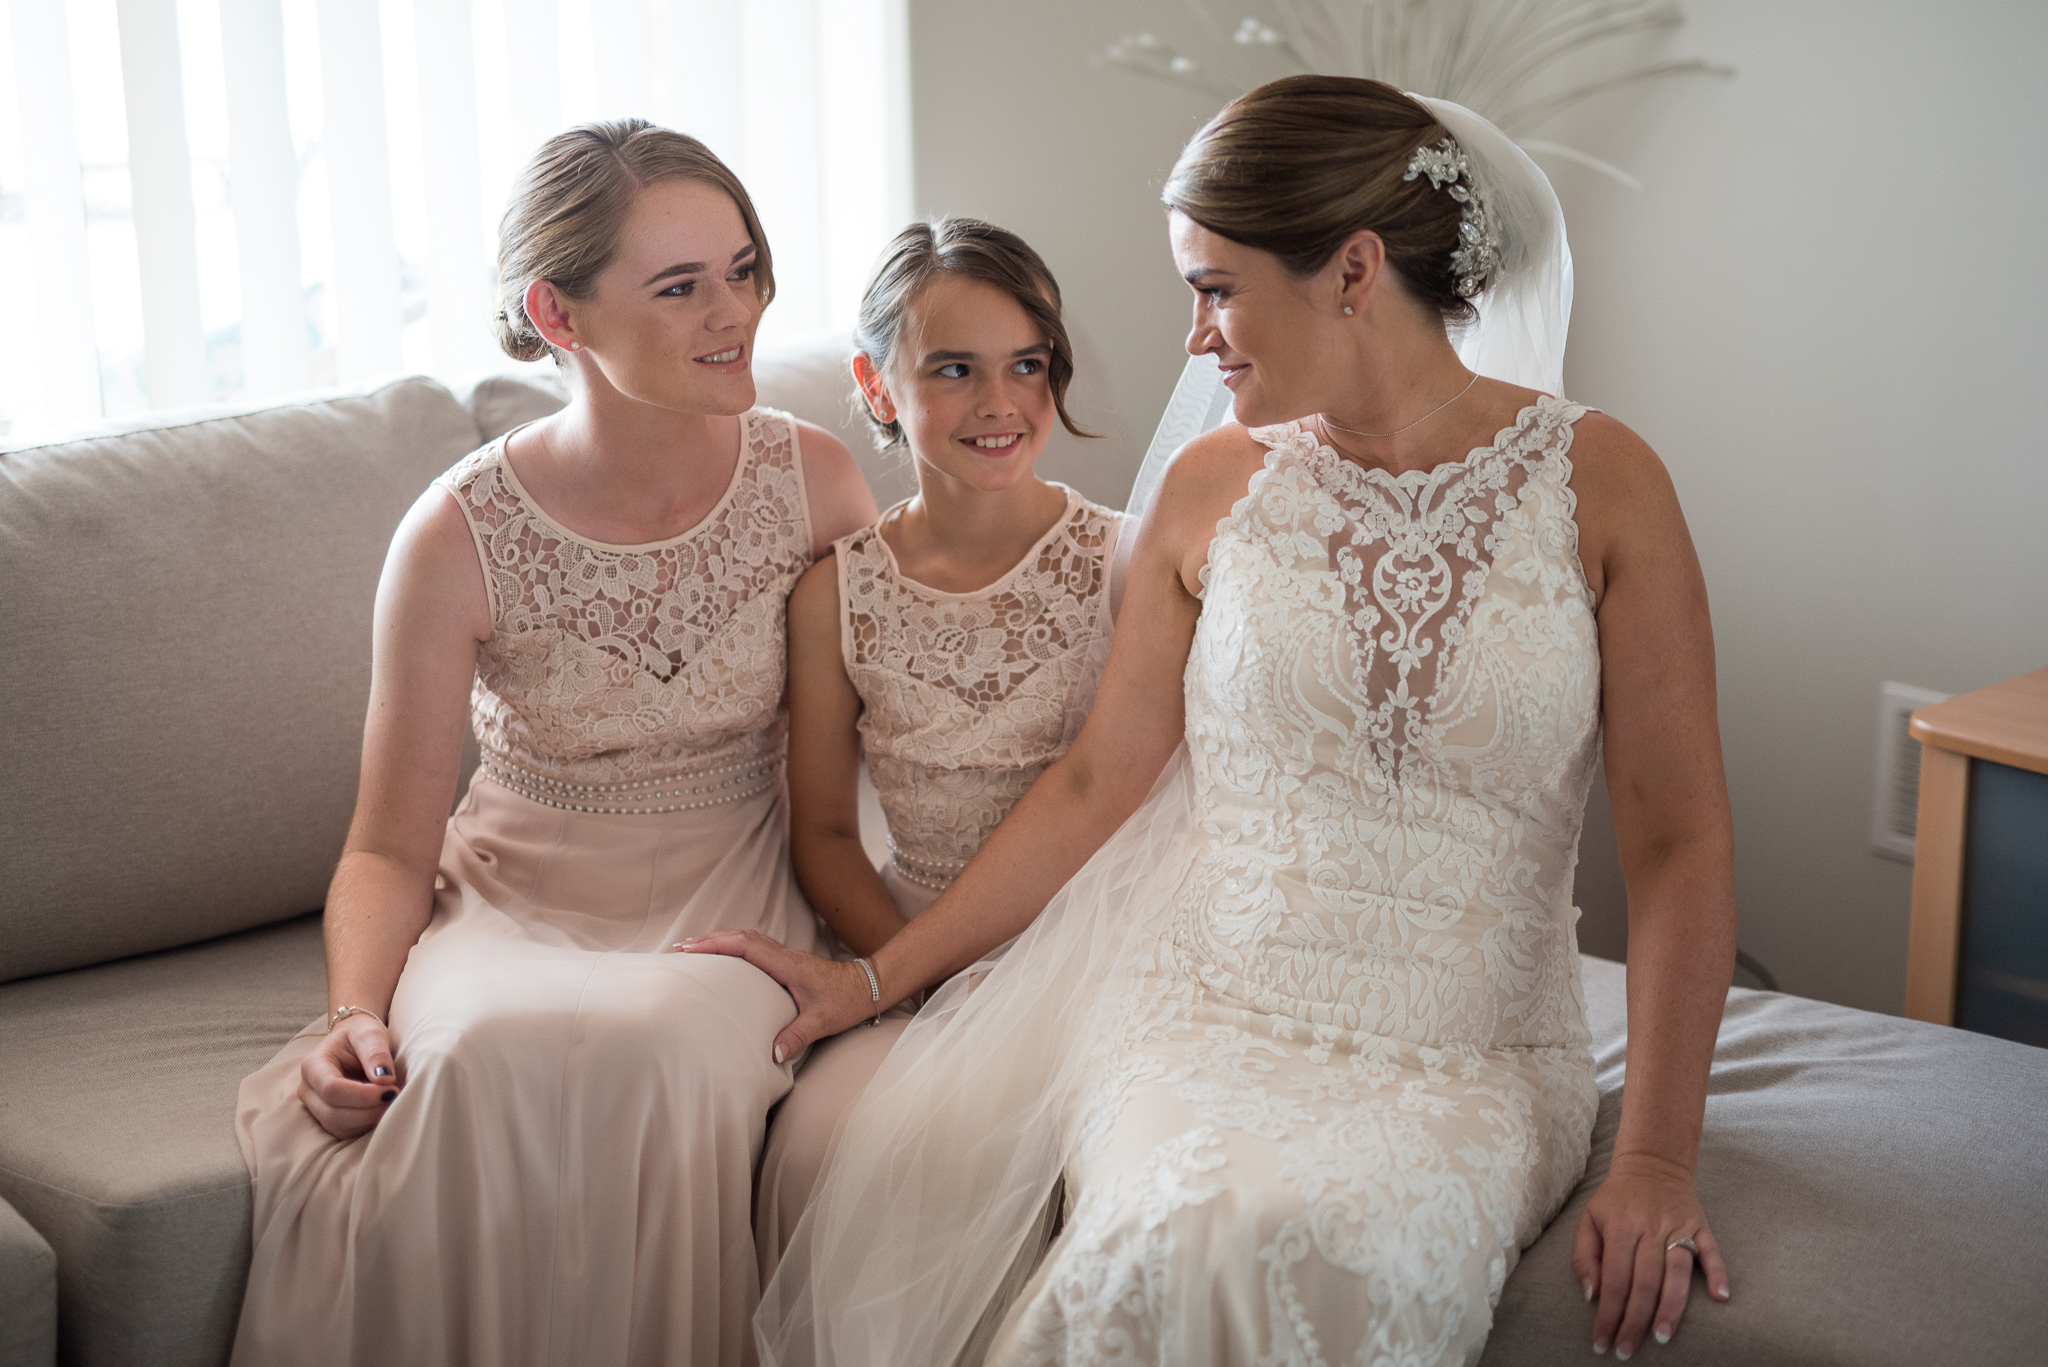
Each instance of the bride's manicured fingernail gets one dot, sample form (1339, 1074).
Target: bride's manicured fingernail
(1623, 1354)
(1589, 1288)
(1599, 1346)
(778, 1053)
(1663, 1334)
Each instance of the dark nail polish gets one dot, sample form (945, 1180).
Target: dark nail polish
(380, 1071)
(391, 1095)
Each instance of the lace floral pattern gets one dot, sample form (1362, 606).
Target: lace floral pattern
(1364, 1015)
(967, 698)
(620, 668)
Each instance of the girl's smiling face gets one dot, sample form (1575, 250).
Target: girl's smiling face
(968, 383)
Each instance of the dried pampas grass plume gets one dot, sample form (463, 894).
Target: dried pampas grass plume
(1487, 55)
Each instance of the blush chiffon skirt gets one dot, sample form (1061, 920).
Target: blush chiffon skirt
(566, 1174)
(833, 1075)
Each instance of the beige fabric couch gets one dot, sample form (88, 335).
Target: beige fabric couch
(184, 656)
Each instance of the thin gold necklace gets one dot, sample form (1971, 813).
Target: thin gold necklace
(1325, 421)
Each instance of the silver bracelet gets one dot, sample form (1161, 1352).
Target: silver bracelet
(342, 1013)
(874, 990)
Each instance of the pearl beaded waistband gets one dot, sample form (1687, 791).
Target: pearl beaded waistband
(936, 874)
(684, 792)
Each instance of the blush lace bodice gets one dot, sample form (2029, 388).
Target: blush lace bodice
(1393, 710)
(968, 697)
(638, 678)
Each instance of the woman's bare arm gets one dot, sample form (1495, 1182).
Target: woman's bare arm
(1663, 756)
(431, 613)
(1077, 803)
(836, 491)
(824, 772)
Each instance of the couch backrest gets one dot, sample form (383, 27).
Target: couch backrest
(184, 664)
(808, 377)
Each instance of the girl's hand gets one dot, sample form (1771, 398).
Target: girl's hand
(830, 996)
(1623, 1252)
(350, 1079)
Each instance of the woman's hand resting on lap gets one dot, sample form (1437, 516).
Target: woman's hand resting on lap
(830, 996)
(1623, 1252)
(350, 1079)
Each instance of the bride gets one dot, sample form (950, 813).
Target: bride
(1299, 1037)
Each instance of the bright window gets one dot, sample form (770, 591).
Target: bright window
(227, 200)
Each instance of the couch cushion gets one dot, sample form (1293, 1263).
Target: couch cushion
(28, 1294)
(1879, 1188)
(185, 657)
(117, 1133)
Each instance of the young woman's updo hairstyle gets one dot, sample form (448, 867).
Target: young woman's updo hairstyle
(571, 201)
(974, 250)
(1298, 165)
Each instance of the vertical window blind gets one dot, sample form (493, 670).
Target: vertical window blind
(228, 200)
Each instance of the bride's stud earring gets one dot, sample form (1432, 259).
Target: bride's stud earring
(1347, 310)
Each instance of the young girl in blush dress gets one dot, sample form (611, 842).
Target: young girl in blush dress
(957, 641)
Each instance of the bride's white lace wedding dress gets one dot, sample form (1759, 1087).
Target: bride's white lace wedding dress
(1356, 1082)
(1337, 1075)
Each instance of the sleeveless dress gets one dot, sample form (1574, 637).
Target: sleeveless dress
(966, 699)
(1304, 1038)
(1357, 1081)
(565, 1177)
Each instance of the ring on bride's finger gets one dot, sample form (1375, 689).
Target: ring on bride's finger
(1685, 1242)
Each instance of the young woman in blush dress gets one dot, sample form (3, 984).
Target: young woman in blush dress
(523, 1133)
(1300, 1024)
(957, 641)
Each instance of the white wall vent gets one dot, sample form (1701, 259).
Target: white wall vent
(1895, 805)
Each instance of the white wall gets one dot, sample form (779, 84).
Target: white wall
(1828, 311)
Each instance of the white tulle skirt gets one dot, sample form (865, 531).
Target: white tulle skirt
(937, 1196)
(1237, 1184)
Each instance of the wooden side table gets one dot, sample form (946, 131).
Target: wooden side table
(1977, 951)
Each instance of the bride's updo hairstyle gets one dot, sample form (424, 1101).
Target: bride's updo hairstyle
(1299, 164)
(571, 202)
(974, 250)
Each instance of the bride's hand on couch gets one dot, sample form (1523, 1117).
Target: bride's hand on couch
(830, 996)
(1626, 1252)
(349, 1080)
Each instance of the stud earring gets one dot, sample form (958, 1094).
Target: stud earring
(1347, 310)
(578, 346)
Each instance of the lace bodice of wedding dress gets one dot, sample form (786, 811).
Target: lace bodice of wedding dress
(967, 697)
(1393, 709)
(638, 679)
